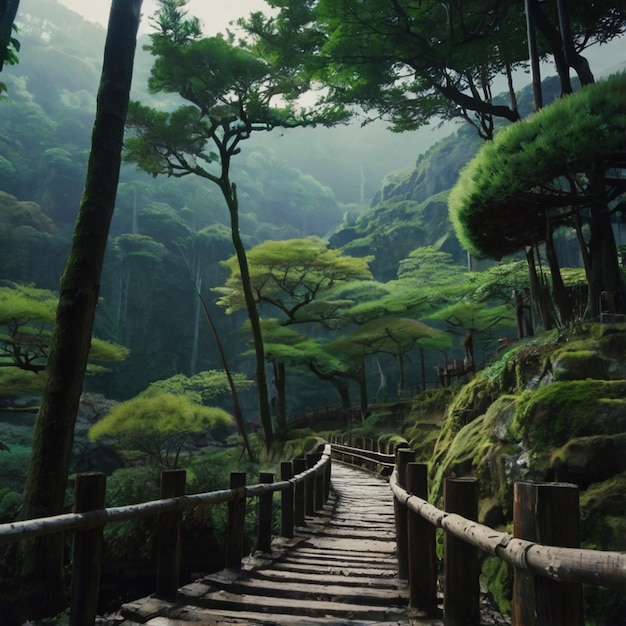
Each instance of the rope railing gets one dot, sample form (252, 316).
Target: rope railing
(302, 493)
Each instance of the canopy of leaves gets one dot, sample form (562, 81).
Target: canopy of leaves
(301, 278)
(389, 335)
(163, 413)
(27, 314)
(201, 387)
(504, 195)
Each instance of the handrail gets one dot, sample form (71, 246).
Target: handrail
(380, 458)
(26, 529)
(562, 564)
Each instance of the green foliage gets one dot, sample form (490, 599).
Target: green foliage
(131, 539)
(161, 426)
(201, 388)
(27, 315)
(522, 170)
(301, 279)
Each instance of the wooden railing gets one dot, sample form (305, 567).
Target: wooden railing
(304, 486)
(549, 566)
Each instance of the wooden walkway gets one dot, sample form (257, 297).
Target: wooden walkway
(340, 569)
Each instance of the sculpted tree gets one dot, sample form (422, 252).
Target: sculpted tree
(229, 93)
(560, 167)
(41, 561)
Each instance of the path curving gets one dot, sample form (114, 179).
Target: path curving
(339, 569)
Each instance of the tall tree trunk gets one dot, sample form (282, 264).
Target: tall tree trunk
(241, 425)
(280, 382)
(8, 11)
(559, 292)
(537, 292)
(573, 59)
(531, 8)
(555, 41)
(195, 340)
(265, 414)
(605, 271)
(41, 560)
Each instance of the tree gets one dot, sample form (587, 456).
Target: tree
(26, 321)
(231, 93)
(162, 426)
(411, 63)
(387, 335)
(549, 171)
(41, 561)
(301, 282)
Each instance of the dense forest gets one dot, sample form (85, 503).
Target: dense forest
(299, 263)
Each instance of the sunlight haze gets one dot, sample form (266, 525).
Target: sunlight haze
(215, 16)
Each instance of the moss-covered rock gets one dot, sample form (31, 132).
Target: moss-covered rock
(587, 460)
(579, 365)
(556, 413)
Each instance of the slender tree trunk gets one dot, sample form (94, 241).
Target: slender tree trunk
(280, 382)
(531, 7)
(537, 293)
(559, 292)
(265, 415)
(241, 426)
(573, 59)
(41, 560)
(193, 360)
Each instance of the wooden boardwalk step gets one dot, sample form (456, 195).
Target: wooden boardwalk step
(339, 570)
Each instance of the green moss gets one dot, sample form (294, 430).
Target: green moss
(557, 412)
(498, 578)
(580, 364)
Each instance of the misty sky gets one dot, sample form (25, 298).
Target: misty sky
(215, 14)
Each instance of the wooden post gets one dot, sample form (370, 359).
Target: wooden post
(236, 523)
(328, 472)
(546, 513)
(404, 456)
(170, 536)
(87, 551)
(421, 546)
(461, 595)
(320, 487)
(310, 486)
(286, 501)
(299, 466)
(264, 530)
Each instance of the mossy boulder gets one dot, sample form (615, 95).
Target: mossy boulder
(587, 460)
(556, 413)
(486, 449)
(580, 365)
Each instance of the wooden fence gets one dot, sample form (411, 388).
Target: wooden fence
(304, 486)
(549, 566)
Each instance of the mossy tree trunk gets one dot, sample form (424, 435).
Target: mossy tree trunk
(41, 560)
